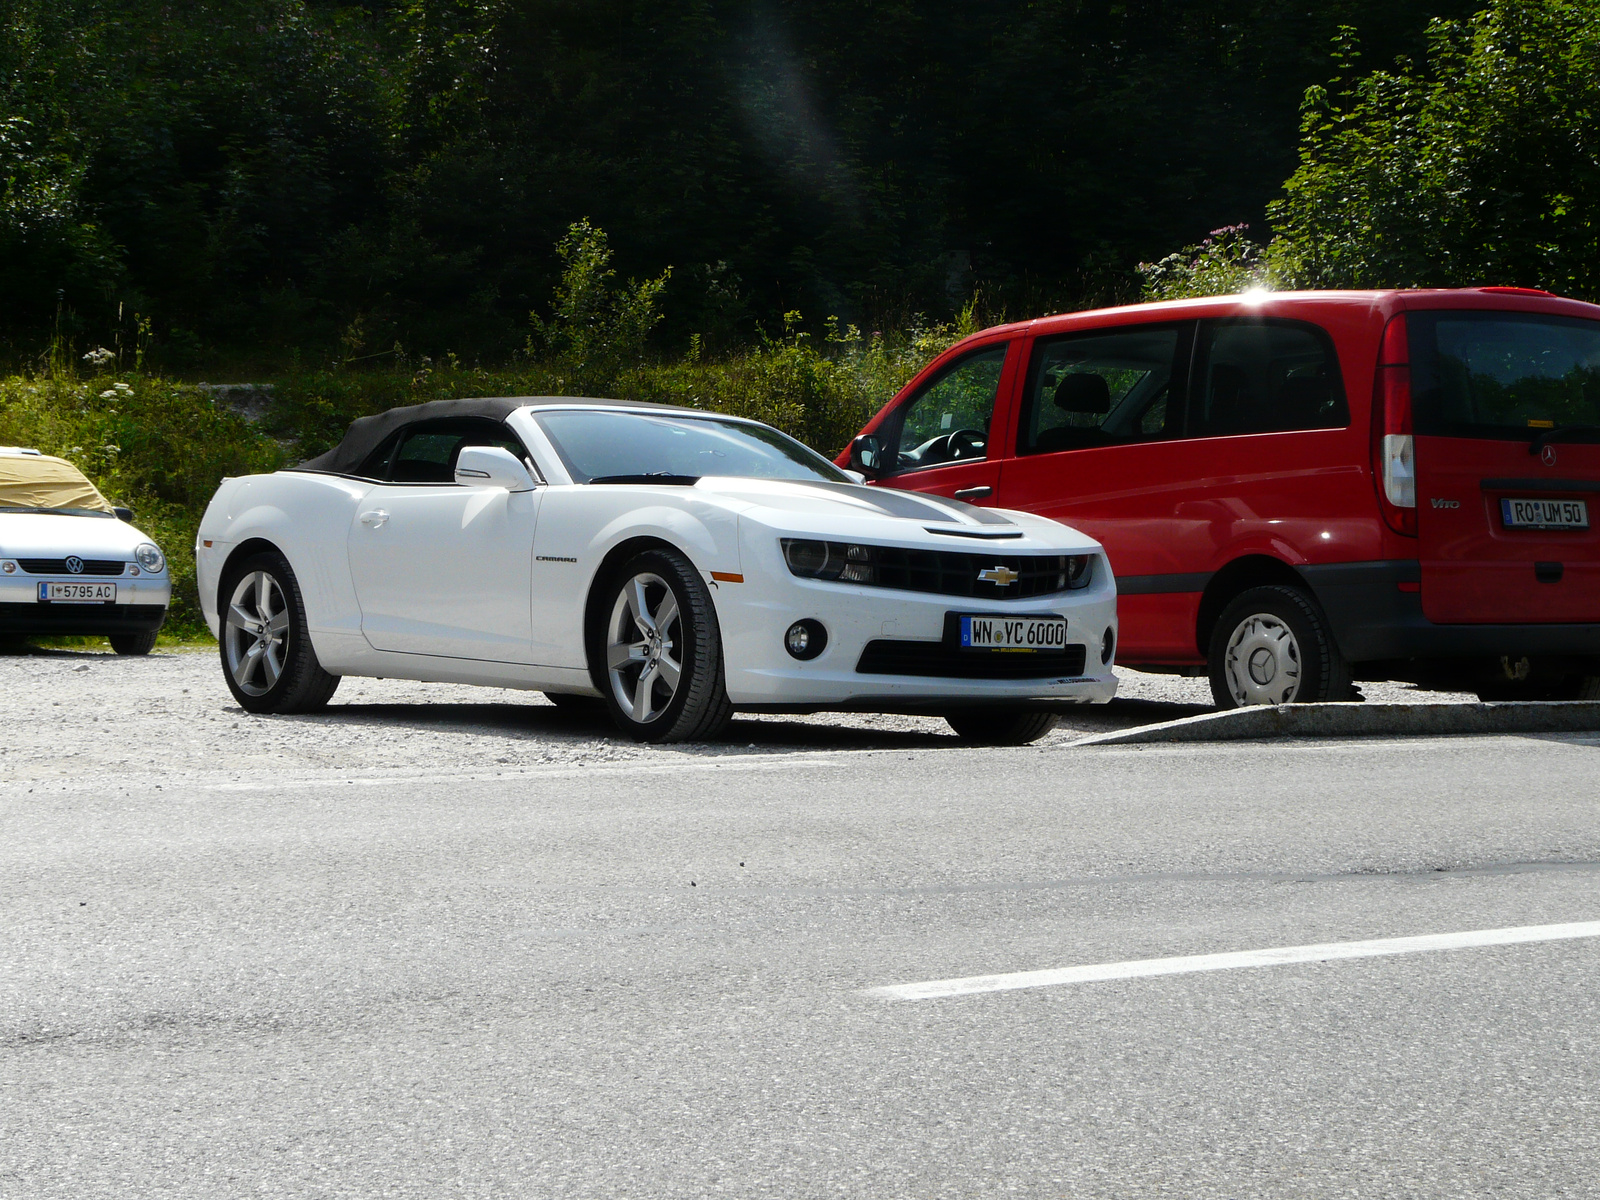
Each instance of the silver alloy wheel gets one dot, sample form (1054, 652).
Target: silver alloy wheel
(643, 654)
(1263, 661)
(256, 633)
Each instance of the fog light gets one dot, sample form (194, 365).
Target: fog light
(1108, 645)
(10, 568)
(805, 639)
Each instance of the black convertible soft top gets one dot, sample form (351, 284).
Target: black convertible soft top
(366, 434)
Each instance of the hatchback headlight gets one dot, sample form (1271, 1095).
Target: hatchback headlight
(149, 557)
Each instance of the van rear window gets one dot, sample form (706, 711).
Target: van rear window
(1502, 375)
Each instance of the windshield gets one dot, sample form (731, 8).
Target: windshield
(598, 446)
(40, 483)
(1505, 375)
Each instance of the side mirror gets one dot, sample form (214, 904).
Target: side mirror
(492, 466)
(866, 455)
(124, 514)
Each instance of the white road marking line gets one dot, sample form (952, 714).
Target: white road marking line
(1276, 957)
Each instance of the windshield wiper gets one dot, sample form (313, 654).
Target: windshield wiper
(1560, 431)
(666, 477)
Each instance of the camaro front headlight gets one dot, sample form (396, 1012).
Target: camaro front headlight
(149, 557)
(830, 560)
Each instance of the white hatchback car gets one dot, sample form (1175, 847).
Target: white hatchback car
(68, 564)
(676, 564)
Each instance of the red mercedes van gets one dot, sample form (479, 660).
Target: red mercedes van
(1298, 490)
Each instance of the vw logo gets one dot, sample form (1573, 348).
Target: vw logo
(999, 576)
(1548, 455)
(75, 564)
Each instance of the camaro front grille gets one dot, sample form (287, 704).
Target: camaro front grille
(951, 573)
(977, 576)
(886, 657)
(58, 566)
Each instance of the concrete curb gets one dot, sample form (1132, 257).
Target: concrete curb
(1363, 720)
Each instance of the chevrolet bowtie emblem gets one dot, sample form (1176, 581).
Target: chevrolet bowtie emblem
(999, 576)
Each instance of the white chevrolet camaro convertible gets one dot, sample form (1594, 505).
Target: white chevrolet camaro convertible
(676, 564)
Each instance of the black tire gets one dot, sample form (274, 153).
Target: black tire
(133, 643)
(301, 685)
(697, 707)
(1272, 645)
(1000, 726)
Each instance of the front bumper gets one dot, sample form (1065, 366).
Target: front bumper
(141, 606)
(762, 676)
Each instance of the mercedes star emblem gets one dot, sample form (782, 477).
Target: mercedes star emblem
(1548, 455)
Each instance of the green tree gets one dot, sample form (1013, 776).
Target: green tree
(1480, 167)
(598, 328)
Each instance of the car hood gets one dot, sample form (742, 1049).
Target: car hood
(51, 535)
(840, 510)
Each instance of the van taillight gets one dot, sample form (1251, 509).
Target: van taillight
(1394, 449)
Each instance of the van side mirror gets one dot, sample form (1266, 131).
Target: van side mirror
(492, 466)
(866, 455)
(124, 514)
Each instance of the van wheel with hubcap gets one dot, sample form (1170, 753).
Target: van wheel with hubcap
(1000, 726)
(267, 658)
(1272, 645)
(655, 651)
(133, 643)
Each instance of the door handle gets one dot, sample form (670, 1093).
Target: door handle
(374, 518)
(974, 493)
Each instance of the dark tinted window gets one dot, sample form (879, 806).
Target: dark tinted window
(1486, 374)
(427, 452)
(1098, 388)
(1265, 377)
(948, 420)
(599, 445)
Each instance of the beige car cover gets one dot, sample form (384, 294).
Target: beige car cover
(39, 481)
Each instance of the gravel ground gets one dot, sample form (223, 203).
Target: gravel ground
(70, 712)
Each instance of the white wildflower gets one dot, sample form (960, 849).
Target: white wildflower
(109, 394)
(100, 357)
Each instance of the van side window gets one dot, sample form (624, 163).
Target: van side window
(427, 451)
(948, 420)
(1096, 389)
(1265, 377)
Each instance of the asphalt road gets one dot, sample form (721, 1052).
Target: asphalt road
(234, 968)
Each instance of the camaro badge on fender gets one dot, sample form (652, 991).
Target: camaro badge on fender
(999, 576)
